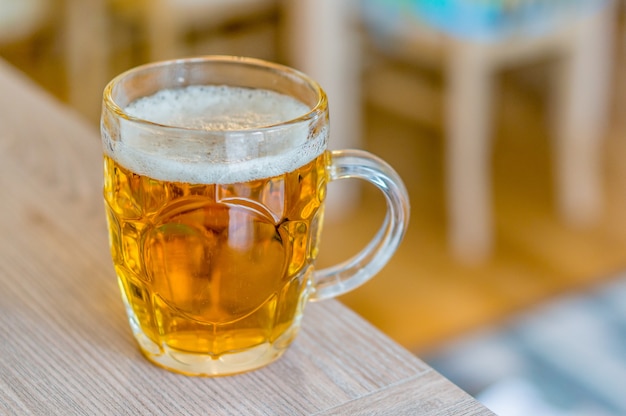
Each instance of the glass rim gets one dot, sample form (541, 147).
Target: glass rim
(316, 110)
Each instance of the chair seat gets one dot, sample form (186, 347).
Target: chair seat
(484, 21)
(213, 12)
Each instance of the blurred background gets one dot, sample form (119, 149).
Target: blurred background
(504, 118)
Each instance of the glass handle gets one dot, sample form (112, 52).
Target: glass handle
(337, 280)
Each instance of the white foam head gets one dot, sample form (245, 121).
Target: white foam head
(235, 145)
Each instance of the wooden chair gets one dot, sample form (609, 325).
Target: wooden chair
(161, 25)
(583, 43)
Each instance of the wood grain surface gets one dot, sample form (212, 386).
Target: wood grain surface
(65, 344)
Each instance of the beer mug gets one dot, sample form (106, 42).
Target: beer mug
(215, 175)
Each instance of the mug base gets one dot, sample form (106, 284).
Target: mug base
(205, 365)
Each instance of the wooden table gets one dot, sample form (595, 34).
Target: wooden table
(66, 347)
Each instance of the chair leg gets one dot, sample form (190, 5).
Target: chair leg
(86, 54)
(332, 57)
(583, 110)
(468, 122)
(162, 27)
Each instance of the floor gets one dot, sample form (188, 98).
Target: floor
(563, 358)
(542, 275)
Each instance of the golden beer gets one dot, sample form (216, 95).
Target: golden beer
(215, 269)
